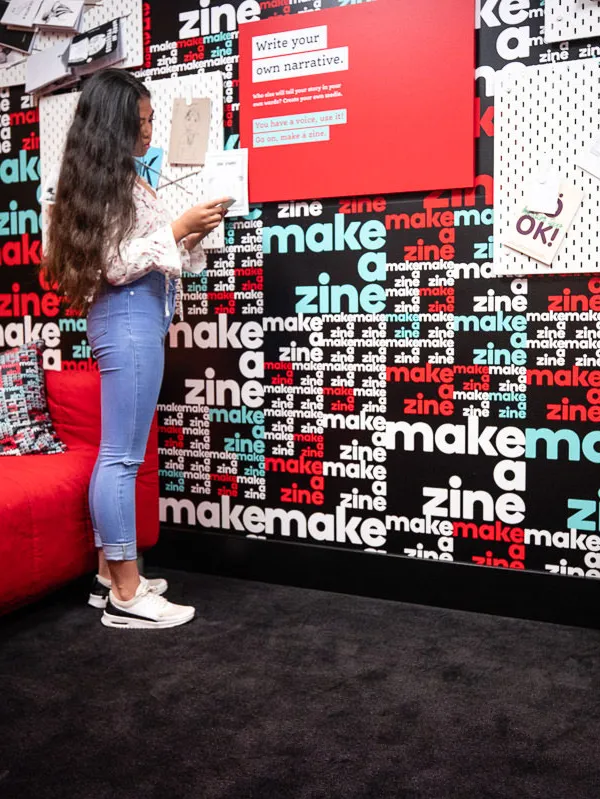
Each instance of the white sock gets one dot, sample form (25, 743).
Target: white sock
(103, 581)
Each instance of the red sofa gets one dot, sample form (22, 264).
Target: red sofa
(46, 536)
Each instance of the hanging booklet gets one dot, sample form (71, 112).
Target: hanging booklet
(97, 48)
(48, 69)
(20, 14)
(64, 16)
(15, 40)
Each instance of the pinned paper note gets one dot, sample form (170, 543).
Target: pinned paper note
(540, 235)
(589, 159)
(48, 195)
(541, 194)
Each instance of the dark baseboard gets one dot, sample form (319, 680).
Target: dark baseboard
(503, 592)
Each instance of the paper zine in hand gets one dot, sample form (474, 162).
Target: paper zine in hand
(226, 175)
(540, 235)
(189, 131)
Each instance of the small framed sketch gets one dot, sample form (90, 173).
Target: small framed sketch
(189, 131)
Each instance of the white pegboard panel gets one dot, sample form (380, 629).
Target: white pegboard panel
(571, 19)
(552, 111)
(13, 76)
(56, 113)
(163, 93)
(129, 10)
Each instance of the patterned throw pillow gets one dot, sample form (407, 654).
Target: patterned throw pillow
(25, 424)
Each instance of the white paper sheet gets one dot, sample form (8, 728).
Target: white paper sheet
(226, 175)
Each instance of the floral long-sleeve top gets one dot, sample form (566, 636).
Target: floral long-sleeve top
(151, 246)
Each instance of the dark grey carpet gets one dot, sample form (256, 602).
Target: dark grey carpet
(280, 692)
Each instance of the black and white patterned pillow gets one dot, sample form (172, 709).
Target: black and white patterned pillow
(25, 424)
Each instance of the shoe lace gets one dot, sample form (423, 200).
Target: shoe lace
(159, 602)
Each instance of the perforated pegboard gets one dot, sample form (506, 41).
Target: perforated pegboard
(56, 113)
(129, 10)
(552, 111)
(571, 19)
(13, 76)
(163, 93)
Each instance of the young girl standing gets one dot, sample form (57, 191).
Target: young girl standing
(116, 254)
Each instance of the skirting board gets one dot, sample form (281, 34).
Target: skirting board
(501, 592)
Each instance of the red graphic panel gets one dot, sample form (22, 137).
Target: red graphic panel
(372, 98)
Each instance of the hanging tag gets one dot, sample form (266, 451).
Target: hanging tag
(541, 194)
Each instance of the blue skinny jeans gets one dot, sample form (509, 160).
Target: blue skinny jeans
(126, 331)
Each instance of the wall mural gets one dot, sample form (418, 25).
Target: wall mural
(447, 415)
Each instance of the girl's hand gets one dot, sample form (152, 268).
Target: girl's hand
(200, 219)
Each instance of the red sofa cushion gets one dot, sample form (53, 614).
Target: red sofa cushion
(74, 405)
(46, 529)
(46, 536)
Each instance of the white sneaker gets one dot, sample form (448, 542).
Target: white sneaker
(101, 587)
(145, 611)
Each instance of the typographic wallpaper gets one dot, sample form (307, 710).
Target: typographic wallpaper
(349, 372)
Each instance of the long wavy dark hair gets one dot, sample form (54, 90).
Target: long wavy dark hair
(94, 206)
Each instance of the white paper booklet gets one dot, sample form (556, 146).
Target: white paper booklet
(47, 68)
(21, 13)
(226, 175)
(97, 48)
(22, 41)
(539, 235)
(60, 15)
